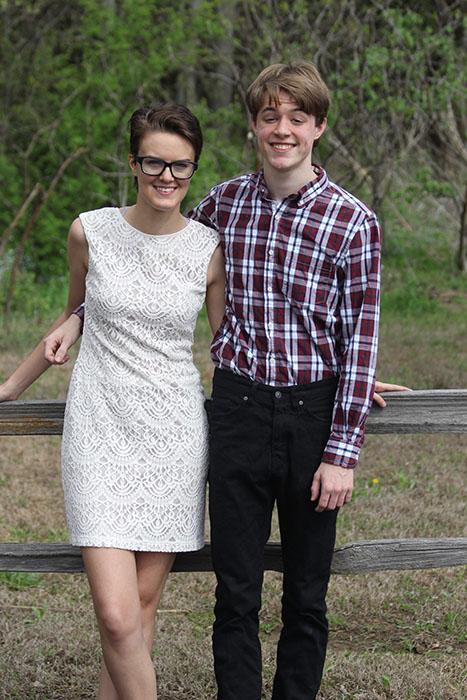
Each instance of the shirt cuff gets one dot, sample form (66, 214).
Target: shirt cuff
(342, 452)
(79, 311)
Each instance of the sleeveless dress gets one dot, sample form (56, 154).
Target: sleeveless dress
(134, 448)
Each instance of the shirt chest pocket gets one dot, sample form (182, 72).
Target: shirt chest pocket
(308, 281)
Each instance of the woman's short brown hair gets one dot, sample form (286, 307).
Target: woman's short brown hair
(300, 79)
(173, 118)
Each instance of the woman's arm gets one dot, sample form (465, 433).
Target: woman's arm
(215, 290)
(60, 340)
(35, 363)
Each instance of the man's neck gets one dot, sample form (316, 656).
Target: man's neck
(282, 185)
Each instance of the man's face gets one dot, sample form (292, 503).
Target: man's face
(285, 134)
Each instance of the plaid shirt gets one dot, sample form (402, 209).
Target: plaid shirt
(302, 294)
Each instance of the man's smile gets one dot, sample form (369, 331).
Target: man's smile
(277, 146)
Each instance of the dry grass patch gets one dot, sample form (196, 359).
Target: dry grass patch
(394, 635)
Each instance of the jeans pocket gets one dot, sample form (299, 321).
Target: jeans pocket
(319, 411)
(225, 406)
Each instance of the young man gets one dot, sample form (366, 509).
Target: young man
(295, 360)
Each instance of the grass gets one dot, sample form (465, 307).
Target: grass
(394, 635)
(18, 580)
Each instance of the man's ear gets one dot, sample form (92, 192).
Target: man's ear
(321, 128)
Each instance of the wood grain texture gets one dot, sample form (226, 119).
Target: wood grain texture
(31, 417)
(352, 558)
(433, 411)
(430, 411)
(406, 412)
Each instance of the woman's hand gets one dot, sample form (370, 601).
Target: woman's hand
(381, 387)
(57, 343)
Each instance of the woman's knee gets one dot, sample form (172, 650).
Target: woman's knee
(151, 582)
(118, 622)
(149, 602)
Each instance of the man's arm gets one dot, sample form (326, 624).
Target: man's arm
(36, 363)
(359, 316)
(206, 211)
(215, 290)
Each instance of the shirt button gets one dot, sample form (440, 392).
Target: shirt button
(270, 252)
(270, 288)
(278, 394)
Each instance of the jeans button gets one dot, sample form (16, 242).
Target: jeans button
(245, 398)
(300, 403)
(278, 394)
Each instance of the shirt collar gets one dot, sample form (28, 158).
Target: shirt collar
(304, 195)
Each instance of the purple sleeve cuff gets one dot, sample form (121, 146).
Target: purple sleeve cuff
(79, 311)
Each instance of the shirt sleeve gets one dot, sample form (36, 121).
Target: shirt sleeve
(80, 311)
(357, 345)
(206, 211)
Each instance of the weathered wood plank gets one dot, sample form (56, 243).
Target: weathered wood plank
(429, 411)
(352, 558)
(440, 411)
(399, 555)
(31, 417)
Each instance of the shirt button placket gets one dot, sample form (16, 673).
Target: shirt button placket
(269, 286)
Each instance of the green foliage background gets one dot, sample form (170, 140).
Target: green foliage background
(72, 73)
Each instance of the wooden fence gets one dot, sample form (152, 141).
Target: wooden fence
(414, 412)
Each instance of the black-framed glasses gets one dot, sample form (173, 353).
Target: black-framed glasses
(180, 169)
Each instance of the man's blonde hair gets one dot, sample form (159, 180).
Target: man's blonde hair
(300, 79)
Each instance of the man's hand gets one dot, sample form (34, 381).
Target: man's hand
(381, 387)
(57, 343)
(7, 393)
(332, 485)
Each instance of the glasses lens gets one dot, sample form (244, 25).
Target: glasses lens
(152, 166)
(182, 169)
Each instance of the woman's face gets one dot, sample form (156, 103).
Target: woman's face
(162, 192)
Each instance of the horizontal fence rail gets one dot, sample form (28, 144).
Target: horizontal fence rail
(437, 411)
(440, 411)
(353, 558)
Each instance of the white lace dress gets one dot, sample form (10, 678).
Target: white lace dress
(134, 449)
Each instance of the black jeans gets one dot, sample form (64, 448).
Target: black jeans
(265, 445)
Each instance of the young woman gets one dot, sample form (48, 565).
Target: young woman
(134, 449)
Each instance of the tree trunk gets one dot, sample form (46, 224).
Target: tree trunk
(223, 83)
(19, 255)
(186, 78)
(28, 228)
(379, 182)
(462, 252)
(17, 217)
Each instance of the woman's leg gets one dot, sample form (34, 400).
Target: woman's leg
(106, 687)
(152, 570)
(112, 576)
